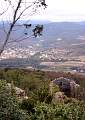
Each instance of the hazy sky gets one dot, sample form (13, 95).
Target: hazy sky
(67, 10)
(60, 10)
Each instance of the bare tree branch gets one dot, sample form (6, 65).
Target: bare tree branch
(16, 17)
(20, 40)
(11, 27)
(15, 14)
(4, 11)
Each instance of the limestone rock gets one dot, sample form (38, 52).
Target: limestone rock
(18, 91)
(58, 97)
(68, 86)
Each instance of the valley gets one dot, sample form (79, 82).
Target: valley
(60, 48)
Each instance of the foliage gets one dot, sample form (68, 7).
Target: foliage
(33, 81)
(9, 107)
(29, 81)
(28, 105)
(70, 111)
(39, 105)
(55, 88)
(42, 95)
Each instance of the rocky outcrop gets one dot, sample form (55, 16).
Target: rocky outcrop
(18, 91)
(68, 86)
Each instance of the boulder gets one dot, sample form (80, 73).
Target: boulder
(68, 86)
(18, 91)
(58, 97)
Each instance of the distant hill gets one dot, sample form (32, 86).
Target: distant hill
(55, 34)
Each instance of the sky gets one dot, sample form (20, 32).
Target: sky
(59, 10)
(64, 10)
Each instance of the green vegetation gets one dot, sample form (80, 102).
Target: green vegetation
(55, 88)
(70, 111)
(9, 106)
(39, 105)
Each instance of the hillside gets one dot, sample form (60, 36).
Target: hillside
(62, 45)
(39, 103)
(55, 34)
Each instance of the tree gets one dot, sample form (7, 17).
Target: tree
(20, 9)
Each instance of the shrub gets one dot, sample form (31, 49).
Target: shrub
(9, 107)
